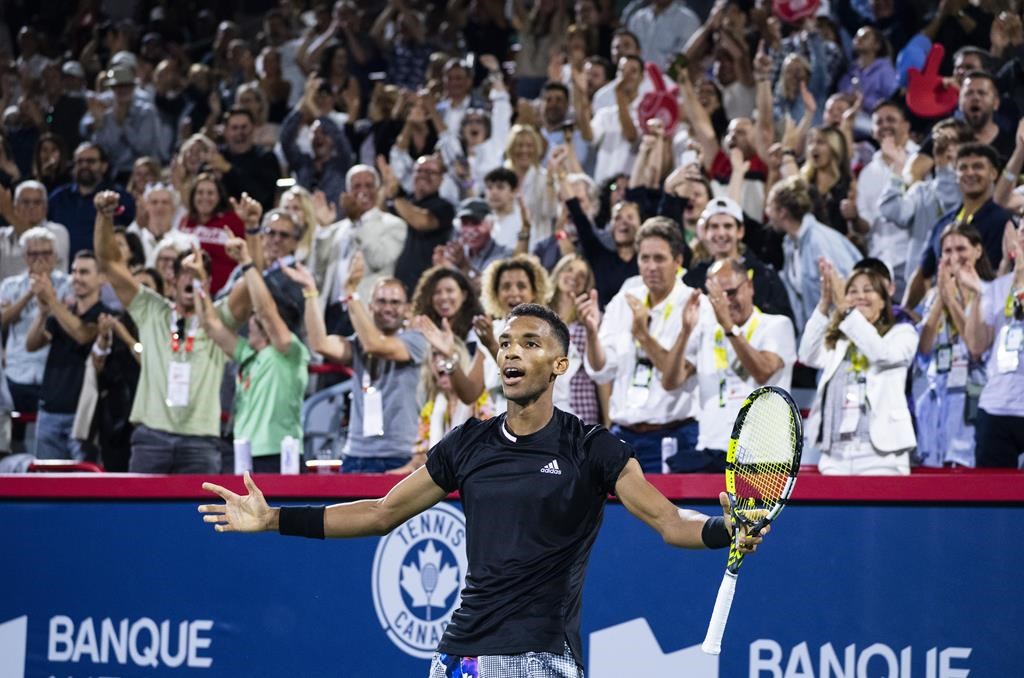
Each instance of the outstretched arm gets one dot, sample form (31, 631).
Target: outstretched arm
(251, 513)
(677, 527)
(107, 252)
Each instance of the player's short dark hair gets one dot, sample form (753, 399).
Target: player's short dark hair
(977, 150)
(502, 175)
(558, 327)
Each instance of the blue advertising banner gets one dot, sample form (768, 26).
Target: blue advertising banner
(135, 588)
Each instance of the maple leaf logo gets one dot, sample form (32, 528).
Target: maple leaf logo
(427, 582)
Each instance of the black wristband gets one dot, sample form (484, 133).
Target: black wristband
(246, 267)
(301, 521)
(714, 534)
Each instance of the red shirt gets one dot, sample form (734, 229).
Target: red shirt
(212, 238)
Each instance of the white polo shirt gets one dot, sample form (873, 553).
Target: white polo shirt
(723, 383)
(630, 404)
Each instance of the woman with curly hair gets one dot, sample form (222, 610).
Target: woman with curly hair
(50, 163)
(860, 419)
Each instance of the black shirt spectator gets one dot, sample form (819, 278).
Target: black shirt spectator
(65, 365)
(249, 168)
(418, 252)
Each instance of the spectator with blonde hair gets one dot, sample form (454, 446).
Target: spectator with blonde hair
(523, 154)
(788, 209)
(576, 392)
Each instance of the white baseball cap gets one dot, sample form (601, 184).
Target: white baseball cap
(723, 206)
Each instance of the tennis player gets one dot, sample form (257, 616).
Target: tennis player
(537, 472)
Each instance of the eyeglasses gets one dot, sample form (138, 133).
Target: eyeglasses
(39, 255)
(389, 302)
(282, 235)
(731, 294)
(87, 161)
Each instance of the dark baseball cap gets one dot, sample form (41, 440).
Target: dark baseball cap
(473, 209)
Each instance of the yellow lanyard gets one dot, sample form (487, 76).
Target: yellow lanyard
(664, 314)
(720, 351)
(858, 362)
(960, 217)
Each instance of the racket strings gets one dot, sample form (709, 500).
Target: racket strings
(764, 453)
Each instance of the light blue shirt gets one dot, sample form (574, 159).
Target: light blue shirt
(23, 366)
(800, 269)
(663, 35)
(1002, 394)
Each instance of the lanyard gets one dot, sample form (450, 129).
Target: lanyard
(960, 216)
(721, 355)
(664, 315)
(190, 334)
(858, 361)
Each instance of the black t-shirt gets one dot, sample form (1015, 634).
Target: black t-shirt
(418, 252)
(533, 506)
(65, 365)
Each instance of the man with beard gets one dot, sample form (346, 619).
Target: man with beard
(325, 167)
(386, 361)
(245, 167)
(69, 332)
(534, 467)
(555, 97)
(176, 412)
(979, 101)
(977, 168)
(72, 204)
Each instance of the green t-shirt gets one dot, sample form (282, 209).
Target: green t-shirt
(268, 397)
(201, 415)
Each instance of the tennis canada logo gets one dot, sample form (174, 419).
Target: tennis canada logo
(418, 571)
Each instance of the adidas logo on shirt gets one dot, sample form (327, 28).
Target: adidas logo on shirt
(552, 468)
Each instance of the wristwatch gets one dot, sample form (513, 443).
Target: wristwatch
(735, 331)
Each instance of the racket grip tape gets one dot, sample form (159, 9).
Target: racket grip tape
(723, 603)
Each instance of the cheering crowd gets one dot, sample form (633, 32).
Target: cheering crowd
(203, 202)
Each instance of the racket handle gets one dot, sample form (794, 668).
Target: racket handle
(716, 627)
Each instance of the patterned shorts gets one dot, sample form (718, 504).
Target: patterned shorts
(527, 665)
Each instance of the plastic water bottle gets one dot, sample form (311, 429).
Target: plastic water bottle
(289, 456)
(243, 455)
(669, 447)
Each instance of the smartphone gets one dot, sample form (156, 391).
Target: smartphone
(678, 63)
(688, 158)
(377, 75)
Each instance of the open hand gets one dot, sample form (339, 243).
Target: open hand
(250, 513)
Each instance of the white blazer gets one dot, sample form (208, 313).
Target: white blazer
(889, 357)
